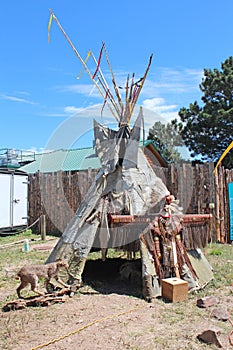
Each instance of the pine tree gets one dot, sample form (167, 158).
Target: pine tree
(207, 130)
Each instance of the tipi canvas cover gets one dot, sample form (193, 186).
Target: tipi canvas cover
(125, 185)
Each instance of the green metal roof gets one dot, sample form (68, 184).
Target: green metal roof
(65, 160)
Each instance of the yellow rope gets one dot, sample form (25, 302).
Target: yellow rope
(86, 326)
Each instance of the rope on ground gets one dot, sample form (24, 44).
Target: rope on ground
(86, 326)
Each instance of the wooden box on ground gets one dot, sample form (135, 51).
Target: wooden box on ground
(174, 289)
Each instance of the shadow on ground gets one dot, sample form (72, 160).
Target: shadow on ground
(114, 275)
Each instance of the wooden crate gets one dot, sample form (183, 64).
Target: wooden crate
(174, 289)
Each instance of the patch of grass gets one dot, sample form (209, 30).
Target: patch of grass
(216, 251)
(13, 257)
(111, 254)
(17, 237)
(161, 341)
(225, 250)
(220, 257)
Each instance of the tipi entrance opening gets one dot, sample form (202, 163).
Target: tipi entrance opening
(114, 275)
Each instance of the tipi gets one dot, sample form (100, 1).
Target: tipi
(125, 186)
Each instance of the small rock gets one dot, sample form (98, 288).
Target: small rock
(79, 321)
(210, 336)
(220, 313)
(207, 301)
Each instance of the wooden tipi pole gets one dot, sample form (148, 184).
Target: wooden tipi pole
(82, 61)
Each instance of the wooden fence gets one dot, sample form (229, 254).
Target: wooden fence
(58, 195)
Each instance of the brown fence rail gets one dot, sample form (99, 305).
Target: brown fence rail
(58, 194)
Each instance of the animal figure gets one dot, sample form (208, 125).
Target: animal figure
(30, 274)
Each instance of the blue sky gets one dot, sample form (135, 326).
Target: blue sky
(44, 105)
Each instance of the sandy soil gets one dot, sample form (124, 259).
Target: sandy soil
(111, 314)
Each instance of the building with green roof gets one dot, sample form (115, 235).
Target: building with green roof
(81, 159)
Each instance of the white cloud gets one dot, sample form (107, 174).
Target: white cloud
(173, 85)
(160, 110)
(154, 109)
(157, 105)
(37, 150)
(87, 112)
(90, 112)
(71, 110)
(165, 80)
(164, 86)
(176, 81)
(83, 89)
(16, 99)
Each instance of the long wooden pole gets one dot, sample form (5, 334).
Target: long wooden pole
(105, 86)
(101, 73)
(82, 61)
(142, 83)
(114, 82)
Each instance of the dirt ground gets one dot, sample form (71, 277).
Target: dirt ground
(111, 314)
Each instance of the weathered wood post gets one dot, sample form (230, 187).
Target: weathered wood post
(217, 209)
(43, 227)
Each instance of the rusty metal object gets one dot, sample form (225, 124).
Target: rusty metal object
(196, 218)
(186, 218)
